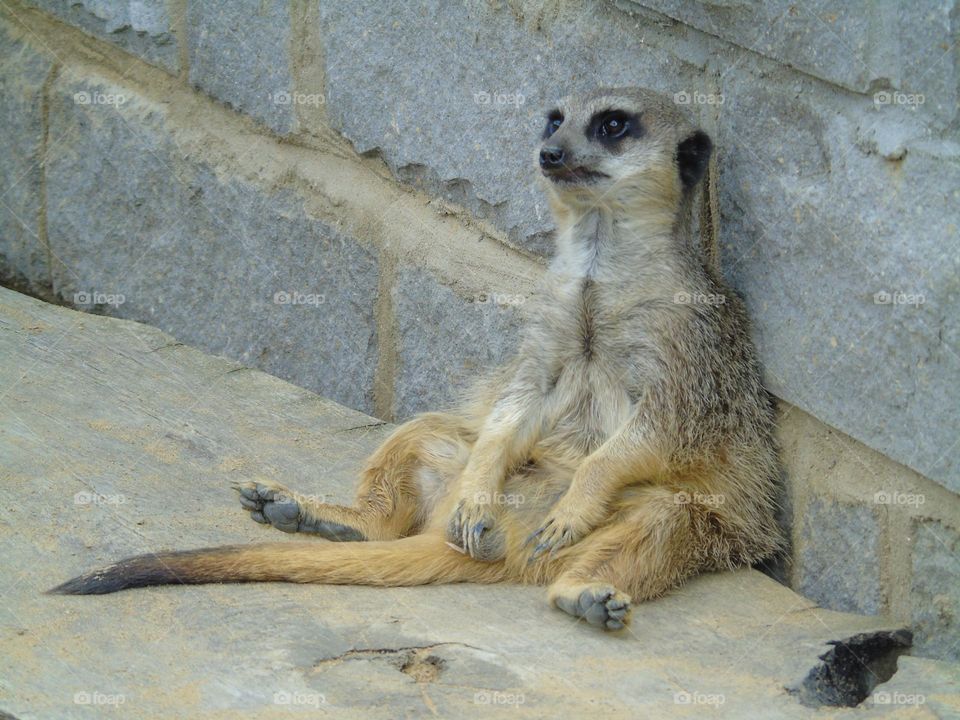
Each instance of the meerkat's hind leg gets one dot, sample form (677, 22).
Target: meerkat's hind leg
(272, 504)
(652, 545)
(402, 481)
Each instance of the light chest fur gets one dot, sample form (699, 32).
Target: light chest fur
(598, 323)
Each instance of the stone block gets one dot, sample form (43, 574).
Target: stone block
(241, 54)
(145, 28)
(837, 557)
(143, 232)
(935, 590)
(446, 342)
(866, 47)
(839, 226)
(23, 70)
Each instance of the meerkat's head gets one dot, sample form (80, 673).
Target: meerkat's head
(620, 148)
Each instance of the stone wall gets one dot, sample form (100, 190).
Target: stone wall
(341, 194)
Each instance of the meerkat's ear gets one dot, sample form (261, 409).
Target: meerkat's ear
(693, 154)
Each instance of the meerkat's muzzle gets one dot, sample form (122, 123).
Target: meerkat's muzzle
(556, 164)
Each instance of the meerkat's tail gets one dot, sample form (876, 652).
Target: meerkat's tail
(415, 560)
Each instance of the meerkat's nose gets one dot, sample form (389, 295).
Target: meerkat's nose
(551, 157)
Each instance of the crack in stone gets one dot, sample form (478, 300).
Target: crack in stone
(414, 660)
(361, 427)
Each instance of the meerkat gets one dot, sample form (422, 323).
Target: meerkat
(627, 446)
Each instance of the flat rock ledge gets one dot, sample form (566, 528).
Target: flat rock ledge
(115, 439)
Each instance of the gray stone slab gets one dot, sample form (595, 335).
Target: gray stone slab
(935, 561)
(837, 557)
(928, 34)
(867, 47)
(848, 261)
(143, 232)
(241, 54)
(446, 342)
(920, 686)
(146, 29)
(116, 439)
(834, 41)
(23, 70)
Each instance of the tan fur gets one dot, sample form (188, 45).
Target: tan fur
(630, 434)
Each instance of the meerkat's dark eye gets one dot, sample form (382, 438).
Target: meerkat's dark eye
(554, 121)
(613, 126)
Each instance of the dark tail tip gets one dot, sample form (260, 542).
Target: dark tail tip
(140, 571)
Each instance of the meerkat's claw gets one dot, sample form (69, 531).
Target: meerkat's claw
(473, 529)
(468, 526)
(552, 537)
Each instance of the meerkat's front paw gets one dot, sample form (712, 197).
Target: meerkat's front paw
(600, 605)
(472, 527)
(560, 529)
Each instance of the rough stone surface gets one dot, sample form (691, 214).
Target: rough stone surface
(446, 342)
(848, 262)
(936, 578)
(144, 28)
(23, 70)
(223, 264)
(864, 47)
(839, 556)
(240, 53)
(832, 41)
(124, 441)
(921, 688)
(926, 43)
